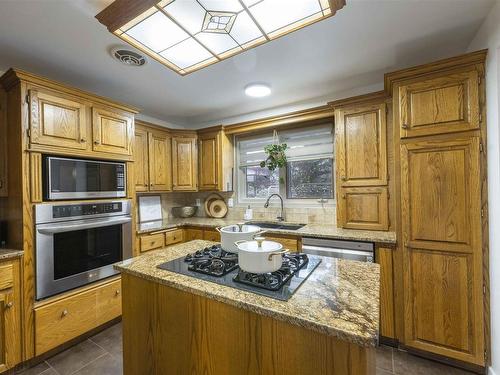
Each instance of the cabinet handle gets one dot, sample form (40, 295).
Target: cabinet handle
(343, 196)
(64, 313)
(1, 184)
(404, 126)
(9, 305)
(343, 178)
(117, 293)
(83, 140)
(97, 142)
(151, 185)
(145, 185)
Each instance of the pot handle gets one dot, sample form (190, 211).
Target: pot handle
(270, 257)
(218, 229)
(236, 243)
(259, 234)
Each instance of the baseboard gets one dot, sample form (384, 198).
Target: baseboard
(491, 371)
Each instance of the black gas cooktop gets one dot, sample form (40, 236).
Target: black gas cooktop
(218, 266)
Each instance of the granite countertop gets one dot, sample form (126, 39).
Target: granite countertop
(9, 253)
(340, 298)
(310, 230)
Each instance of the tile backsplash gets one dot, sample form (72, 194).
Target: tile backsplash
(306, 215)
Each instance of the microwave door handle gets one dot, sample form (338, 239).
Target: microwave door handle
(83, 225)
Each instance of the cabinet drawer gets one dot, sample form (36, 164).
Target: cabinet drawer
(211, 235)
(109, 302)
(58, 322)
(152, 241)
(194, 234)
(288, 243)
(174, 237)
(6, 276)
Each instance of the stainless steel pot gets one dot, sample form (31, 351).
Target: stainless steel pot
(237, 232)
(260, 256)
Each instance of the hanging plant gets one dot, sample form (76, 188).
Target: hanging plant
(276, 157)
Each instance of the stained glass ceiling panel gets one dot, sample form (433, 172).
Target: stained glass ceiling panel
(187, 35)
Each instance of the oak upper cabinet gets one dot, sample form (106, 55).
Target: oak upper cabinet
(184, 163)
(442, 254)
(57, 120)
(160, 170)
(141, 159)
(10, 314)
(216, 160)
(112, 131)
(152, 159)
(442, 103)
(361, 164)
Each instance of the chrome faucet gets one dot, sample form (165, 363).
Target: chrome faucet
(266, 205)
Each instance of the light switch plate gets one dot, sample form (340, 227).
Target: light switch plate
(230, 202)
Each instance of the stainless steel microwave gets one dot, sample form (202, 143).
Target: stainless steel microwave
(67, 178)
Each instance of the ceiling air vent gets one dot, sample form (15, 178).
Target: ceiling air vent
(128, 57)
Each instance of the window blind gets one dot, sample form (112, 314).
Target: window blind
(251, 150)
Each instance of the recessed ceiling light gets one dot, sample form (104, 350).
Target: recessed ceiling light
(187, 35)
(257, 90)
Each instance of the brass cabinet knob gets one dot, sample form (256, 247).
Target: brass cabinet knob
(404, 126)
(145, 185)
(151, 185)
(97, 142)
(117, 293)
(83, 140)
(9, 305)
(64, 313)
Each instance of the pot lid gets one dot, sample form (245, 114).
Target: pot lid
(240, 228)
(259, 245)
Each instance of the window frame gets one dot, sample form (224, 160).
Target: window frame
(240, 184)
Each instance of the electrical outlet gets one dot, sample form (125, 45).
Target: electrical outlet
(198, 202)
(230, 202)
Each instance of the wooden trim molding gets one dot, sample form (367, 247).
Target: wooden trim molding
(13, 76)
(311, 114)
(119, 12)
(477, 57)
(378, 96)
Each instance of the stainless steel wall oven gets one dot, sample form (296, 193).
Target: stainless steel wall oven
(77, 244)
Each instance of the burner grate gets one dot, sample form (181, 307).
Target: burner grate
(212, 261)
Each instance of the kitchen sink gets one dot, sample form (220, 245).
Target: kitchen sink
(267, 225)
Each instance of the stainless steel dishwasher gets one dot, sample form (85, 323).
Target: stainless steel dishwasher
(352, 250)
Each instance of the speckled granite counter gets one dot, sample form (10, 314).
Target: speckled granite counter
(9, 254)
(310, 230)
(340, 298)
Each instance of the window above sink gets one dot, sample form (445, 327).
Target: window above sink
(306, 180)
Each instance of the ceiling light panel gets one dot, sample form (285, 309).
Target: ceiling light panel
(187, 35)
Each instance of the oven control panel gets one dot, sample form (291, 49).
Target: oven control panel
(71, 210)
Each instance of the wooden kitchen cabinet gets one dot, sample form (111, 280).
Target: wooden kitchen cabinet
(184, 163)
(215, 165)
(152, 157)
(174, 236)
(3, 144)
(362, 163)
(112, 131)
(10, 314)
(443, 103)
(442, 251)
(58, 120)
(191, 234)
(211, 235)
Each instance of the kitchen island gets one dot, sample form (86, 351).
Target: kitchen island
(177, 324)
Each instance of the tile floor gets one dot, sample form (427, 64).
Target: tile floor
(102, 355)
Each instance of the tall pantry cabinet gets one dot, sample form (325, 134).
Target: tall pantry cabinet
(439, 131)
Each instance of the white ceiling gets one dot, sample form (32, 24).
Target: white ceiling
(61, 39)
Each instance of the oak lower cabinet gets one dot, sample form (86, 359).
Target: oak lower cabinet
(442, 247)
(10, 314)
(193, 233)
(215, 165)
(361, 163)
(160, 239)
(184, 162)
(67, 317)
(152, 159)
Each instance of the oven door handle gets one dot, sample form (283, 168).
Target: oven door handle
(87, 224)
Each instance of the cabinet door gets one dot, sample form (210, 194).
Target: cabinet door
(10, 315)
(184, 162)
(363, 208)
(160, 172)
(112, 131)
(442, 252)
(209, 162)
(444, 104)
(361, 150)
(141, 156)
(57, 120)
